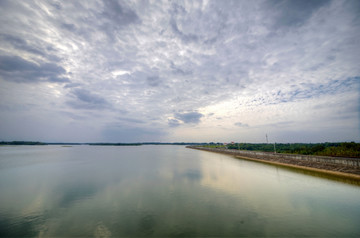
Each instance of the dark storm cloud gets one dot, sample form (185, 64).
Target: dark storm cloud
(84, 99)
(17, 69)
(189, 117)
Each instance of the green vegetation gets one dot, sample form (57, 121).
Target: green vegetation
(345, 149)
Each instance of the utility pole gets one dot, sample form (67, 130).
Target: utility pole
(267, 140)
(275, 147)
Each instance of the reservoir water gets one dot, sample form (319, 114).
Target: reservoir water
(165, 191)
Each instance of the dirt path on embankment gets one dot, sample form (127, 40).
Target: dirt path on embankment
(340, 170)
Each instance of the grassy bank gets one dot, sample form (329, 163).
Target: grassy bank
(342, 149)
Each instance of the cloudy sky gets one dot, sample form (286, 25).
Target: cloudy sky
(199, 71)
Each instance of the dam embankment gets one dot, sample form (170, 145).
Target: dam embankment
(339, 166)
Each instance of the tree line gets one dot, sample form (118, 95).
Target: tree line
(21, 143)
(341, 149)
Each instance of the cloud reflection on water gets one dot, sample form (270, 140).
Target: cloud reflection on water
(167, 191)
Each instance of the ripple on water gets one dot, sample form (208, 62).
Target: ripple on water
(147, 224)
(101, 231)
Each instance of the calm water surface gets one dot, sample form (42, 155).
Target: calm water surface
(164, 191)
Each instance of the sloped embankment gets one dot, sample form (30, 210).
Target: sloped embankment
(344, 167)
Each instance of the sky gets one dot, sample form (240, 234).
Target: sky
(180, 71)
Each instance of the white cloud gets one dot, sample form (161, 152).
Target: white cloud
(120, 72)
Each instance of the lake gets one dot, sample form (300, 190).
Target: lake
(164, 191)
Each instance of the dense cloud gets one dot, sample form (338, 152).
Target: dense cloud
(239, 124)
(180, 70)
(294, 13)
(83, 99)
(189, 117)
(14, 68)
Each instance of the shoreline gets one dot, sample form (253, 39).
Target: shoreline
(336, 171)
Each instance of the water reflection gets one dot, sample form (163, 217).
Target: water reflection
(164, 191)
(323, 175)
